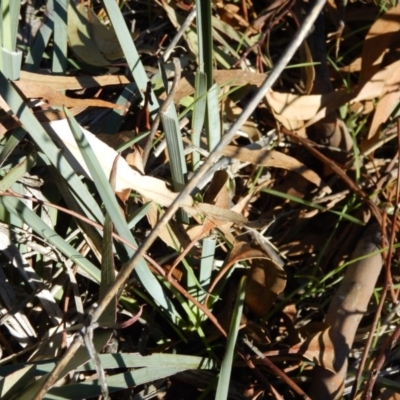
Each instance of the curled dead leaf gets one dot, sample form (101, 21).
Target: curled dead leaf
(151, 188)
(318, 348)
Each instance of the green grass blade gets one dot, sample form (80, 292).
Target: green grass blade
(9, 23)
(205, 39)
(175, 151)
(37, 50)
(199, 112)
(176, 154)
(11, 384)
(121, 360)
(18, 172)
(206, 266)
(173, 136)
(60, 37)
(107, 271)
(213, 122)
(14, 138)
(10, 58)
(23, 213)
(89, 389)
(226, 367)
(128, 47)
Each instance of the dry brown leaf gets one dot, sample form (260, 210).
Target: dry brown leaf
(150, 188)
(135, 160)
(174, 238)
(382, 113)
(229, 13)
(216, 203)
(217, 193)
(231, 77)
(276, 159)
(54, 98)
(354, 66)
(297, 112)
(318, 348)
(293, 110)
(220, 215)
(309, 70)
(73, 82)
(265, 279)
(347, 307)
(383, 33)
(238, 77)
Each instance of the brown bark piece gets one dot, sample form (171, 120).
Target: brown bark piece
(346, 311)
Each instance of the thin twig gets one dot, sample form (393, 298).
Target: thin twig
(265, 360)
(179, 34)
(54, 375)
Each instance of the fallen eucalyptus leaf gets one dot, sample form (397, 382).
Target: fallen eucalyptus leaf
(151, 188)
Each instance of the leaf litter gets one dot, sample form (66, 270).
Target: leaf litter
(312, 222)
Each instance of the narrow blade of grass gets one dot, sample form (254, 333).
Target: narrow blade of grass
(226, 367)
(60, 37)
(128, 47)
(213, 122)
(199, 110)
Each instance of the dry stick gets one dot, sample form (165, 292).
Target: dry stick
(276, 370)
(163, 109)
(380, 360)
(264, 34)
(347, 308)
(372, 378)
(53, 376)
(179, 34)
(370, 338)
